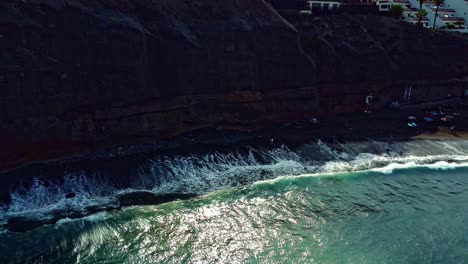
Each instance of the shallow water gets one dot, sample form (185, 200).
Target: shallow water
(396, 214)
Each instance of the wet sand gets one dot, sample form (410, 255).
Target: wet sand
(444, 133)
(386, 125)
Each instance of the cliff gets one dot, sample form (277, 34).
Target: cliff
(78, 75)
(358, 54)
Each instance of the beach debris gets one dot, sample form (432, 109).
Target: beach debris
(412, 124)
(411, 118)
(428, 119)
(315, 121)
(447, 118)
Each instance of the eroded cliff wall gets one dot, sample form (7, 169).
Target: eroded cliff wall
(358, 54)
(74, 73)
(77, 74)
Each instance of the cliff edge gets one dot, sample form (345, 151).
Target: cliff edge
(78, 75)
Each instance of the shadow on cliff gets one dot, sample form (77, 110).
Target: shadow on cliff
(78, 76)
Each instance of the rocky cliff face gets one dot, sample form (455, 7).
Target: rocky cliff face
(356, 48)
(79, 74)
(358, 54)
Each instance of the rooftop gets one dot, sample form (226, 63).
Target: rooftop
(455, 19)
(317, 1)
(446, 11)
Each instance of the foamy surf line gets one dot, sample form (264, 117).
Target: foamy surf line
(440, 165)
(208, 173)
(389, 169)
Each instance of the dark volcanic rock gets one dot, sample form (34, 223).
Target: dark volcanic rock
(24, 223)
(77, 75)
(70, 195)
(74, 73)
(149, 198)
(358, 54)
(371, 48)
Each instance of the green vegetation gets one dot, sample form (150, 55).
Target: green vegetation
(420, 10)
(451, 26)
(459, 24)
(396, 11)
(420, 14)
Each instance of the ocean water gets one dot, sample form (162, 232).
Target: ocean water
(368, 209)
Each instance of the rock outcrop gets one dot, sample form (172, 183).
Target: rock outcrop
(76, 74)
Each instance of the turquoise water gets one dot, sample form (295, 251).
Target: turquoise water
(408, 215)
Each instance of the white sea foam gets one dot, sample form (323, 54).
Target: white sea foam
(440, 165)
(216, 171)
(39, 200)
(97, 217)
(206, 173)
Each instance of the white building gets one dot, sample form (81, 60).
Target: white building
(460, 7)
(323, 5)
(451, 15)
(384, 5)
(446, 17)
(409, 15)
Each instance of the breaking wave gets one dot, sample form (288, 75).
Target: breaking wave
(200, 174)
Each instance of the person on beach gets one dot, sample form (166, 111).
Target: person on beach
(369, 103)
(452, 130)
(395, 103)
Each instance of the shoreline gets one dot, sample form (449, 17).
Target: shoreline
(384, 125)
(140, 175)
(443, 133)
(119, 161)
(166, 179)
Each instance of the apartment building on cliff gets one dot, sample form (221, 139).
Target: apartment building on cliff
(452, 15)
(323, 6)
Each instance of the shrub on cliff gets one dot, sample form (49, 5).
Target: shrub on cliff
(396, 11)
(420, 14)
(451, 26)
